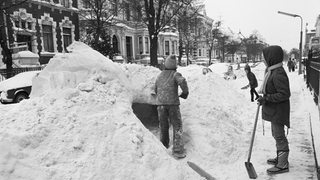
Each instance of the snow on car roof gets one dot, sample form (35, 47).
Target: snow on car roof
(20, 80)
(25, 54)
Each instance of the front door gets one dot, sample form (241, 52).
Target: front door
(129, 48)
(25, 38)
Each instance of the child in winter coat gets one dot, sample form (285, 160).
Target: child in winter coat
(276, 106)
(229, 74)
(253, 83)
(166, 90)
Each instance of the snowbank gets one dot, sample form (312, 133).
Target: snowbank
(79, 125)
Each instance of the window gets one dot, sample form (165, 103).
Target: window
(146, 41)
(140, 45)
(66, 37)
(65, 3)
(29, 25)
(23, 24)
(172, 47)
(199, 52)
(47, 38)
(17, 23)
(166, 47)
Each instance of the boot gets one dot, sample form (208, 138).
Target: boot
(272, 161)
(282, 165)
(178, 150)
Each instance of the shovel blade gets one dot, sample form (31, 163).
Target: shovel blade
(251, 171)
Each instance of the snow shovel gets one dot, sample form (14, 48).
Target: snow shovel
(200, 171)
(250, 169)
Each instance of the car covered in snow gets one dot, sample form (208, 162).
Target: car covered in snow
(18, 87)
(202, 61)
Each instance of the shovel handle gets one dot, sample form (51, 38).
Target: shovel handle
(253, 133)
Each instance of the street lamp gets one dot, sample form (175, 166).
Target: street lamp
(300, 45)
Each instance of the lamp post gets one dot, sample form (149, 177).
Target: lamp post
(300, 45)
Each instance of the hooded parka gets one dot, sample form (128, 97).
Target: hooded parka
(277, 89)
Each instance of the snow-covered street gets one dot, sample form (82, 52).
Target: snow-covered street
(79, 124)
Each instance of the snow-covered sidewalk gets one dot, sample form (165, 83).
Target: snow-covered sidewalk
(302, 164)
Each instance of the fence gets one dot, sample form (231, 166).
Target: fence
(312, 79)
(5, 75)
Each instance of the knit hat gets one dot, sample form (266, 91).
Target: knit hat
(247, 67)
(171, 62)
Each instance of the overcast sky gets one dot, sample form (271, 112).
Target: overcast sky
(261, 15)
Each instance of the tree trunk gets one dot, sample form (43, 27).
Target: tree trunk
(154, 50)
(180, 51)
(210, 52)
(7, 54)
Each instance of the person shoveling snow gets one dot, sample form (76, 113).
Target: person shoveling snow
(253, 83)
(166, 91)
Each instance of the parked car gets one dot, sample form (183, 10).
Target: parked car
(202, 61)
(18, 87)
(146, 60)
(118, 59)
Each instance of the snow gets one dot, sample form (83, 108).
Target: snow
(25, 54)
(20, 80)
(79, 124)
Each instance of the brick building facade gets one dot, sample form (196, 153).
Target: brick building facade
(45, 26)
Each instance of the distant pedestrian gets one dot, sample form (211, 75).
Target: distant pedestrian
(290, 65)
(276, 106)
(253, 83)
(166, 90)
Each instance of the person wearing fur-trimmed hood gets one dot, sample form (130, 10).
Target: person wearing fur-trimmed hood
(276, 106)
(166, 90)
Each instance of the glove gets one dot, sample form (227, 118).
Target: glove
(261, 100)
(184, 95)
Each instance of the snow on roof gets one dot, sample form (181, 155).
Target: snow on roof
(168, 33)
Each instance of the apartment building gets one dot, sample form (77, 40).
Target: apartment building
(45, 27)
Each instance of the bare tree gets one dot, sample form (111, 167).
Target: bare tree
(187, 21)
(96, 18)
(158, 15)
(232, 47)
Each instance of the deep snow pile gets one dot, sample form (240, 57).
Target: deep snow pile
(79, 124)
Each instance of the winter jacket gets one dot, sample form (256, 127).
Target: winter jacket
(167, 82)
(251, 77)
(290, 64)
(277, 106)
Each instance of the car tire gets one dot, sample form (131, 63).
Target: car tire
(20, 96)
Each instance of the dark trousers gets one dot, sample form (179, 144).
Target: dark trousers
(252, 92)
(279, 135)
(167, 114)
